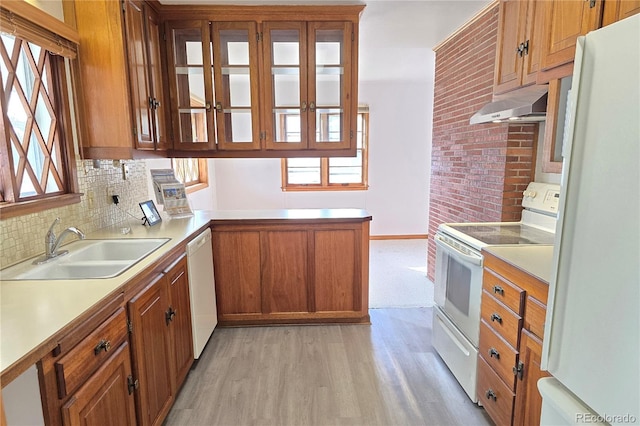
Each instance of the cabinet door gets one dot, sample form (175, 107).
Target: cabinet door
(329, 85)
(151, 351)
(159, 111)
(104, 399)
(141, 98)
(337, 270)
(285, 85)
(237, 272)
(511, 33)
(235, 71)
(191, 85)
(180, 327)
(528, 400)
(284, 271)
(565, 20)
(615, 10)
(534, 38)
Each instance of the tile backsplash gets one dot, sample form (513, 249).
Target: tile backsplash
(23, 237)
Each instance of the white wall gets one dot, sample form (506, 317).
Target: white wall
(396, 67)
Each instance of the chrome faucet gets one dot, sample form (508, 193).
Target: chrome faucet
(51, 242)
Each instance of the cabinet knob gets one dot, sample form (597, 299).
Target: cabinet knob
(169, 315)
(207, 106)
(219, 106)
(494, 353)
(491, 395)
(498, 290)
(496, 317)
(312, 106)
(103, 345)
(518, 370)
(132, 384)
(303, 108)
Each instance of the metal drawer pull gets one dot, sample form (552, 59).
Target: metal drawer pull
(491, 395)
(494, 353)
(169, 315)
(496, 317)
(103, 345)
(498, 290)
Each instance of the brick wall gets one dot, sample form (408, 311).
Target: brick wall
(478, 172)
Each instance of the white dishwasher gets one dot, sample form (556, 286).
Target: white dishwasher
(202, 290)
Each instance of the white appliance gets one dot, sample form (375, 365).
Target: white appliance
(592, 339)
(202, 290)
(458, 280)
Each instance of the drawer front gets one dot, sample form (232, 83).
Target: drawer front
(79, 363)
(502, 319)
(534, 316)
(494, 395)
(499, 354)
(503, 290)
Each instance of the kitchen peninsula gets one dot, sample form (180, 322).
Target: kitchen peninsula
(271, 266)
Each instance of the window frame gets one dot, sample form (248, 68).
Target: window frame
(69, 194)
(203, 175)
(324, 184)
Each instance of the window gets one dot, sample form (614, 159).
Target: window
(322, 174)
(37, 159)
(192, 172)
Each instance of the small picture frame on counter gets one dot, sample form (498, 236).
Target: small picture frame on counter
(151, 215)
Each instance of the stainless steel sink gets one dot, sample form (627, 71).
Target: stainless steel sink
(88, 259)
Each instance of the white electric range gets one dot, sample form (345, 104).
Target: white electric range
(458, 280)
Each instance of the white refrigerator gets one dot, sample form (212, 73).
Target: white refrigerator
(592, 334)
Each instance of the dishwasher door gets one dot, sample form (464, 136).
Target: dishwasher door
(202, 290)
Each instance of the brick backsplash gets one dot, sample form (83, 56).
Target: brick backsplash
(478, 172)
(23, 237)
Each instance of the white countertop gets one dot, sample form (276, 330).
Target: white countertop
(31, 312)
(537, 260)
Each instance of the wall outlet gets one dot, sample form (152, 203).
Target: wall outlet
(125, 171)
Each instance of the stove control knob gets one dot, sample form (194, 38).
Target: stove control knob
(530, 194)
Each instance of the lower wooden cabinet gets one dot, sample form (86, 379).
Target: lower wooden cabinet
(291, 273)
(513, 312)
(105, 399)
(528, 400)
(162, 341)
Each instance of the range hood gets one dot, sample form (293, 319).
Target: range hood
(528, 104)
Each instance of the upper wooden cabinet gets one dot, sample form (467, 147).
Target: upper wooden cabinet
(615, 10)
(120, 96)
(564, 22)
(267, 81)
(519, 44)
(307, 85)
(145, 73)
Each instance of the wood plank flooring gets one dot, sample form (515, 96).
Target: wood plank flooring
(386, 373)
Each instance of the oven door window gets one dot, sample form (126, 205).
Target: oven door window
(458, 285)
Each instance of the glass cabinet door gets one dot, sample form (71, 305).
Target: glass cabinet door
(191, 85)
(329, 84)
(235, 74)
(286, 104)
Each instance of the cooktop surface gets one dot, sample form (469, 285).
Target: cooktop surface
(499, 234)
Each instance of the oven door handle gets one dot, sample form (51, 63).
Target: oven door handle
(475, 260)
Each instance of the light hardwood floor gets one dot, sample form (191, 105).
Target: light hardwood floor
(386, 373)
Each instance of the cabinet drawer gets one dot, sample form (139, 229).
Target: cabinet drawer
(534, 316)
(503, 290)
(499, 354)
(494, 395)
(79, 363)
(500, 318)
